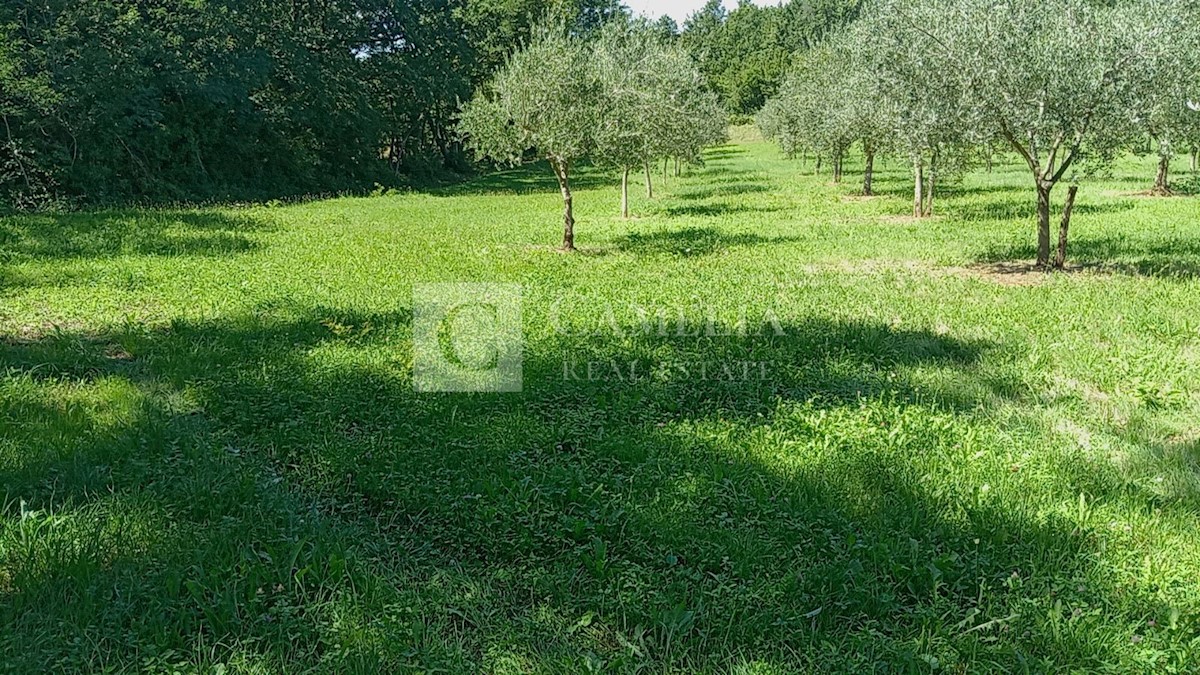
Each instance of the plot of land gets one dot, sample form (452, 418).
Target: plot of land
(211, 452)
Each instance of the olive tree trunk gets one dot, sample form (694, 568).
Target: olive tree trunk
(919, 187)
(625, 192)
(1044, 187)
(562, 169)
(649, 183)
(930, 186)
(1195, 158)
(1060, 260)
(1162, 181)
(1045, 177)
(869, 175)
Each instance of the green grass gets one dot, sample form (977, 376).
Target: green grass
(212, 456)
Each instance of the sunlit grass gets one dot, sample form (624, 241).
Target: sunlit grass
(211, 452)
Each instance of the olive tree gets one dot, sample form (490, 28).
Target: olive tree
(543, 100)
(829, 101)
(874, 124)
(776, 123)
(627, 60)
(1056, 79)
(652, 102)
(872, 114)
(810, 109)
(1172, 82)
(692, 117)
(935, 121)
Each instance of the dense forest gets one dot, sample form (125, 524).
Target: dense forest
(115, 101)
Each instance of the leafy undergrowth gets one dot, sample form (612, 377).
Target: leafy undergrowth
(212, 456)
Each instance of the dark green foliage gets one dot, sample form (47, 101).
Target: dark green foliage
(497, 27)
(177, 100)
(745, 53)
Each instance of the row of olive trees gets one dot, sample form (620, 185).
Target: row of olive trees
(826, 107)
(1066, 84)
(623, 99)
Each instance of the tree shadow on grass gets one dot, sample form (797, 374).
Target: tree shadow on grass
(718, 210)
(900, 186)
(532, 178)
(45, 237)
(295, 496)
(1158, 258)
(724, 152)
(692, 241)
(1016, 209)
(722, 170)
(721, 189)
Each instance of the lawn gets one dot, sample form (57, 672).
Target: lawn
(212, 456)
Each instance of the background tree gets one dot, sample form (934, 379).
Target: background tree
(247, 99)
(496, 28)
(744, 54)
(1171, 80)
(544, 100)
(418, 66)
(630, 59)
(936, 122)
(25, 101)
(828, 103)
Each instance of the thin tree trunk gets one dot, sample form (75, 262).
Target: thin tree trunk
(989, 161)
(16, 155)
(666, 168)
(625, 193)
(1043, 190)
(817, 170)
(1195, 159)
(562, 170)
(649, 183)
(869, 175)
(930, 185)
(1060, 260)
(678, 169)
(1162, 181)
(919, 189)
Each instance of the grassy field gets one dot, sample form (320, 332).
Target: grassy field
(212, 457)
